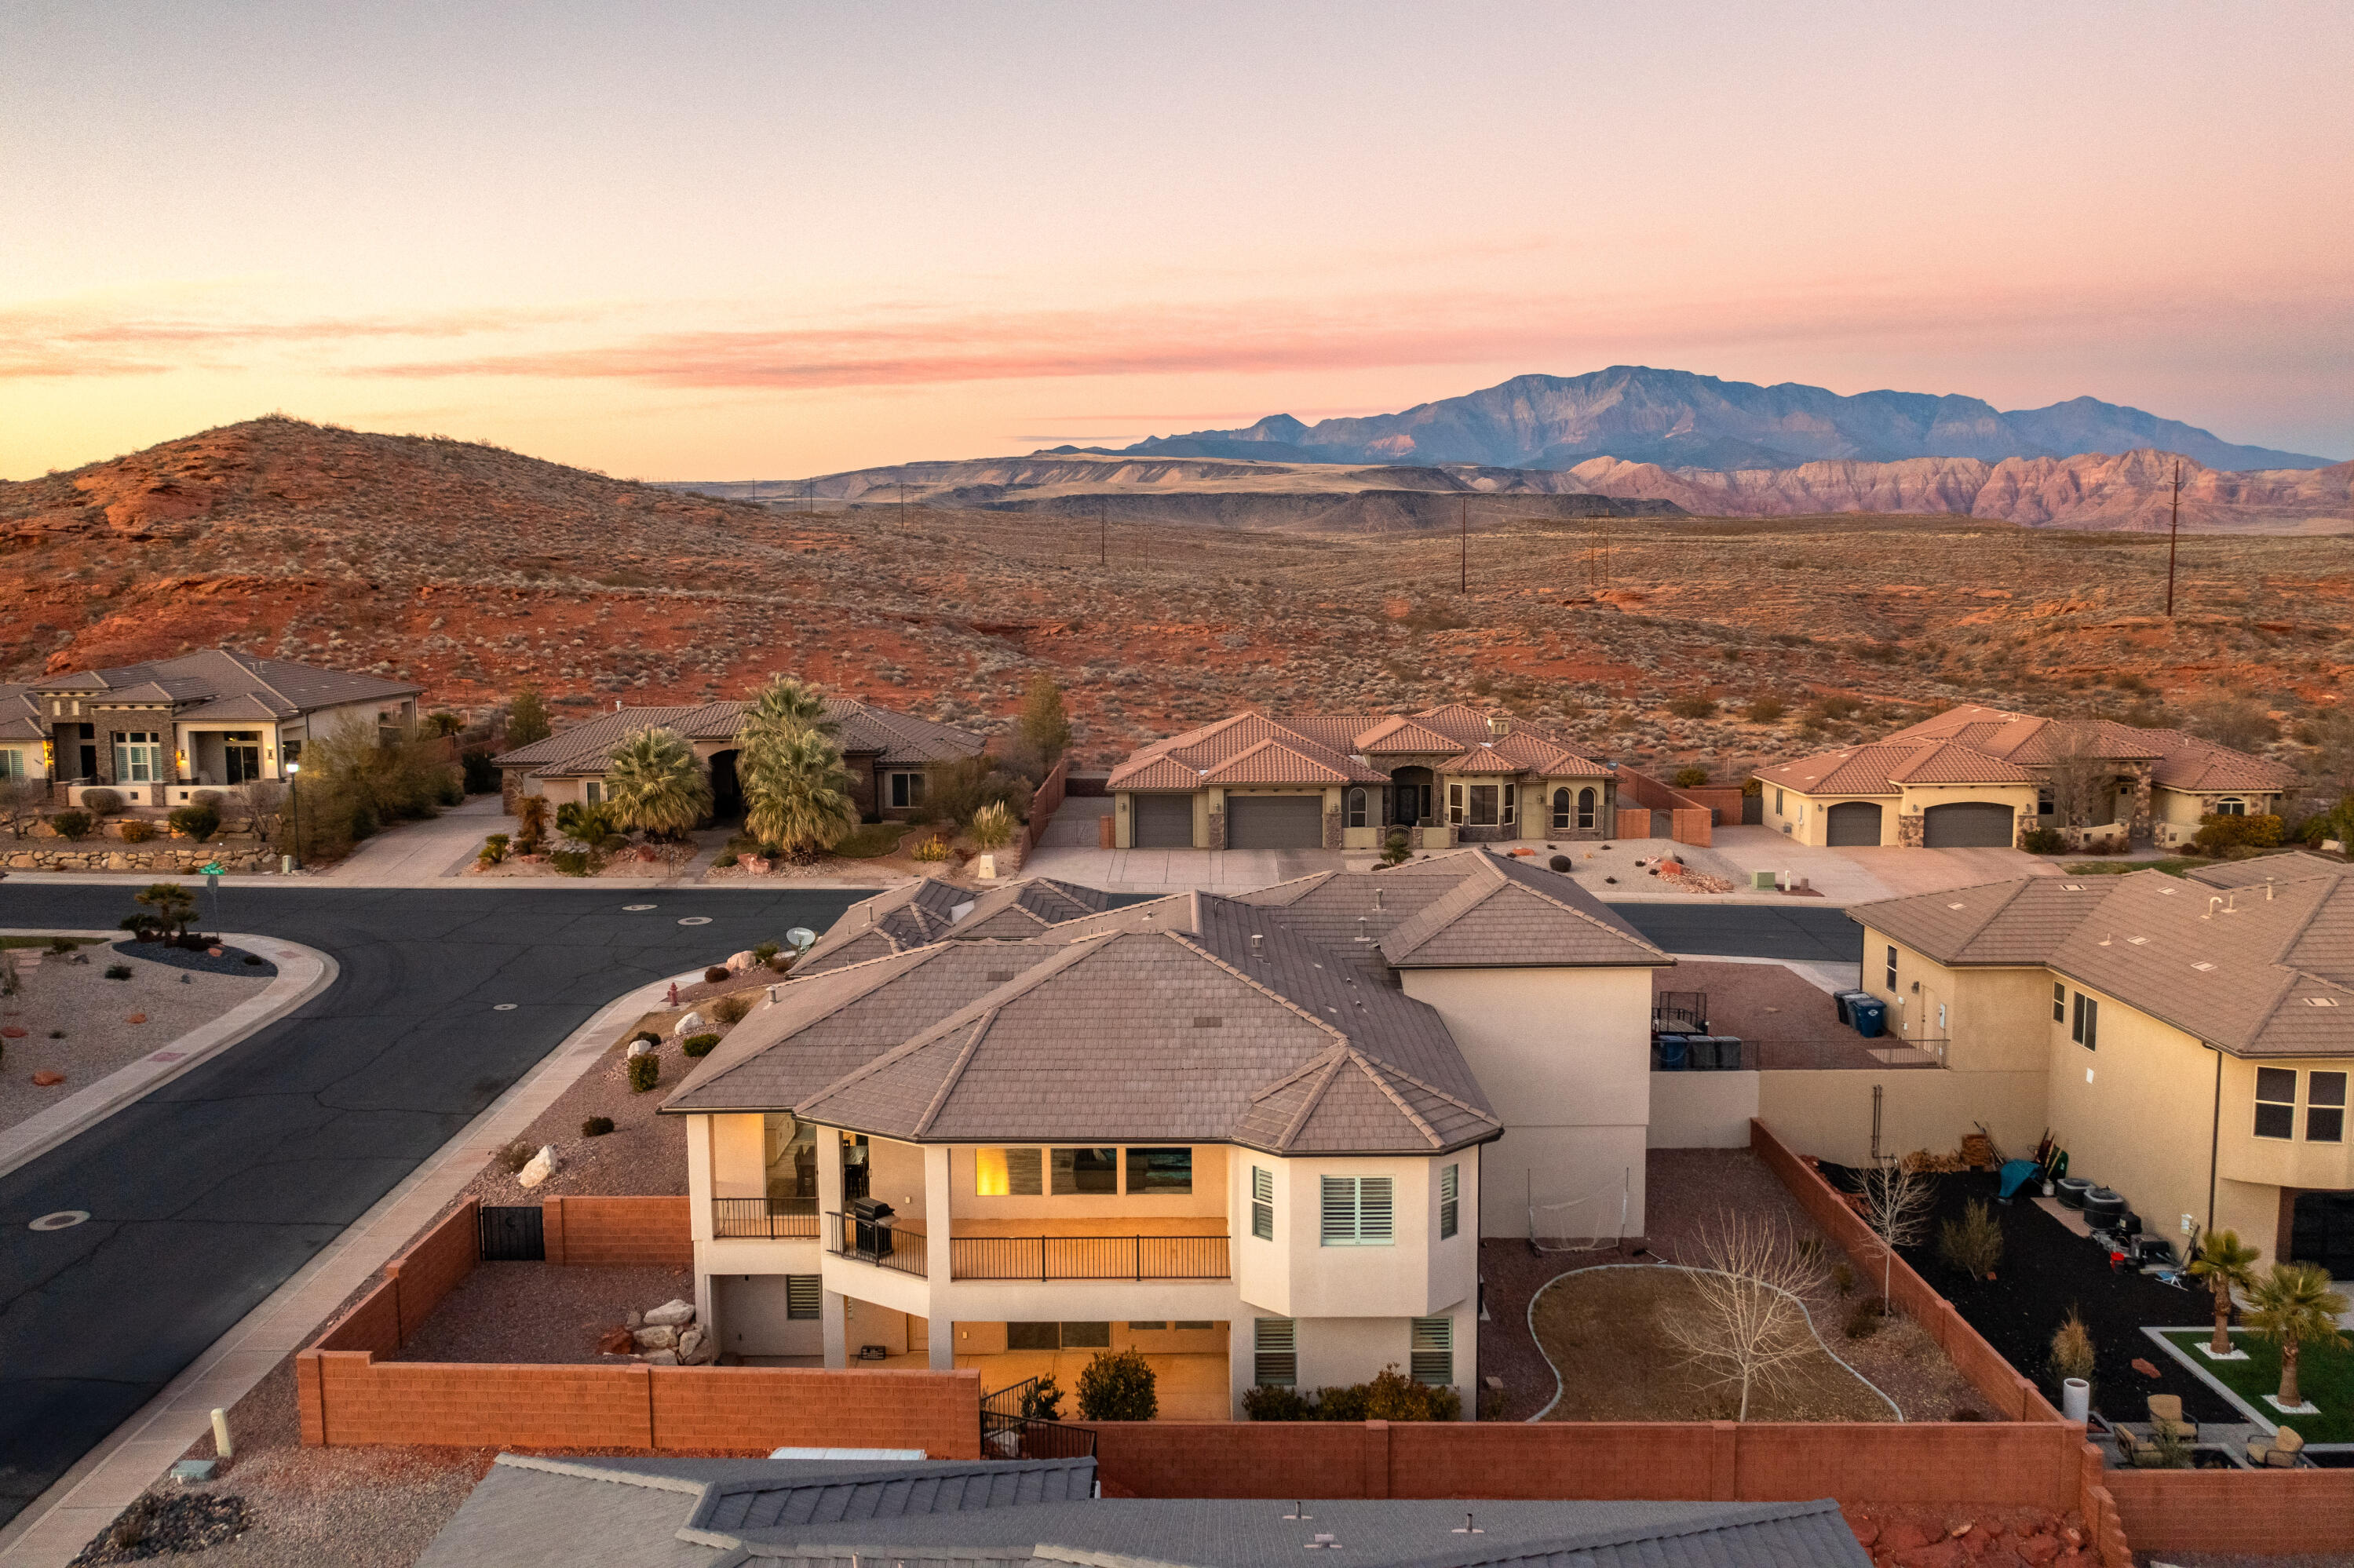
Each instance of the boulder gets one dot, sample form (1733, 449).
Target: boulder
(615, 1342)
(691, 1024)
(672, 1313)
(45, 1079)
(637, 1320)
(656, 1337)
(689, 1341)
(662, 1358)
(640, 1048)
(704, 1353)
(738, 962)
(540, 1166)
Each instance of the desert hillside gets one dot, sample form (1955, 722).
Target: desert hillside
(473, 570)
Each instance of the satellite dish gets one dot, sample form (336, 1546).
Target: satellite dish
(802, 939)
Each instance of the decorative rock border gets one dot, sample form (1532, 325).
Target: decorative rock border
(119, 857)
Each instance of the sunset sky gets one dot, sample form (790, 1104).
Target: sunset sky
(759, 242)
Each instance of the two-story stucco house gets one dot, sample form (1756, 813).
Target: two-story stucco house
(2192, 1040)
(1258, 1137)
(893, 758)
(158, 732)
(1977, 778)
(1444, 776)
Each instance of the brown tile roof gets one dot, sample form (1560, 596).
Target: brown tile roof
(2288, 865)
(1948, 763)
(916, 914)
(1482, 758)
(2187, 762)
(1272, 762)
(1851, 770)
(2010, 923)
(859, 730)
(1258, 748)
(271, 688)
(1507, 916)
(1397, 734)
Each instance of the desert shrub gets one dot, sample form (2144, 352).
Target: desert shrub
(354, 781)
(1972, 1244)
(1832, 710)
(698, 1044)
(1042, 1401)
(959, 791)
(531, 819)
(597, 1126)
(1267, 1402)
(118, 972)
(767, 951)
(71, 824)
(1692, 707)
(572, 863)
(137, 830)
(1690, 778)
(647, 1036)
(476, 774)
(1345, 1402)
(1870, 1316)
(715, 974)
(101, 803)
(644, 1072)
(2044, 840)
(993, 826)
(593, 827)
(494, 849)
(1765, 710)
(2234, 721)
(61, 946)
(1117, 1386)
(1397, 847)
(931, 851)
(515, 1156)
(2071, 1349)
(198, 819)
(731, 1009)
(1390, 1396)
(1843, 1278)
(725, 859)
(2216, 835)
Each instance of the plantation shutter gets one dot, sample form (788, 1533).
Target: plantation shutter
(1275, 1343)
(1262, 1202)
(1357, 1211)
(803, 1295)
(1430, 1349)
(1373, 1226)
(1447, 1201)
(1339, 1211)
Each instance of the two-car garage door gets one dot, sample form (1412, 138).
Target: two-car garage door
(1968, 825)
(1274, 822)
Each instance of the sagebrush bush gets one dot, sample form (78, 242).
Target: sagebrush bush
(1693, 707)
(696, 1044)
(118, 972)
(1690, 778)
(102, 802)
(715, 974)
(645, 1072)
(137, 830)
(2044, 840)
(1766, 710)
(71, 824)
(515, 1156)
(597, 1126)
(731, 1009)
(1972, 1244)
(198, 819)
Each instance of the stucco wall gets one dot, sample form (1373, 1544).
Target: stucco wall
(1701, 1111)
(1829, 1113)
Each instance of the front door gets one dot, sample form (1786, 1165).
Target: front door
(241, 754)
(1408, 802)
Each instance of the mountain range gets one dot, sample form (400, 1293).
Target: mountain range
(1679, 420)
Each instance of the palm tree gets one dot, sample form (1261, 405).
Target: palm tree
(796, 793)
(654, 783)
(2292, 1306)
(2223, 1263)
(783, 706)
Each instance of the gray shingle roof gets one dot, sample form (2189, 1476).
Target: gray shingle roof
(935, 910)
(20, 714)
(859, 729)
(256, 688)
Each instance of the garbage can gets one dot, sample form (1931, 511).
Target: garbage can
(1673, 1053)
(1845, 1002)
(1870, 1015)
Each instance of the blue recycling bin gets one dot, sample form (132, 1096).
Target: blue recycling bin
(1845, 1001)
(1672, 1053)
(1870, 1016)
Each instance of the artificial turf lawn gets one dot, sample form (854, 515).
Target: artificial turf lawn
(871, 840)
(2325, 1376)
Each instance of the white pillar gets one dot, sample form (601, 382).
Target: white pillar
(837, 1332)
(938, 1254)
(1242, 1353)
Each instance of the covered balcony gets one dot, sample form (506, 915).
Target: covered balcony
(1179, 1248)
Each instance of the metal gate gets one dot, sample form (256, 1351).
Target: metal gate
(513, 1234)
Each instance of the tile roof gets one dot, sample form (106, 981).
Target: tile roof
(859, 730)
(1505, 914)
(916, 914)
(20, 714)
(1273, 762)
(1397, 734)
(2288, 865)
(2187, 762)
(265, 688)
(1258, 748)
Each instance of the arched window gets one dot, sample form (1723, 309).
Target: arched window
(1586, 807)
(2230, 808)
(1356, 807)
(1561, 810)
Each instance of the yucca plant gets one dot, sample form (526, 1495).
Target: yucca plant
(2291, 1307)
(2223, 1261)
(655, 784)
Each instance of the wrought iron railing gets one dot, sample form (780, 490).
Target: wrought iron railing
(771, 1219)
(1874, 1054)
(1022, 1437)
(1087, 1258)
(881, 1245)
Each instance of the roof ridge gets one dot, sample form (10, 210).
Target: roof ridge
(919, 957)
(254, 670)
(1365, 1066)
(2303, 924)
(948, 1080)
(1383, 1064)
(1507, 880)
(1332, 1060)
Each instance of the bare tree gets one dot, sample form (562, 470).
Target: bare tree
(1748, 1328)
(1897, 1205)
(21, 801)
(265, 803)
(2082, 781)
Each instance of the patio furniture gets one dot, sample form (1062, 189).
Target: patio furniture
(2165, 1412)
(2282, 1453)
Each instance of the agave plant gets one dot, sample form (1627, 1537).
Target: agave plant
(654, 783)
(2293, 1307)
(2223, 1261)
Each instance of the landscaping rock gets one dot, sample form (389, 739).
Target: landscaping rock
(640, 1048)
(617, 1343)
(705, 1353)
(540, 1167)
(47, 1080)
(689, 1341)
(662, 1358)
(691, 1024)
(738, 962)
(656, 1337)
(671, 1314)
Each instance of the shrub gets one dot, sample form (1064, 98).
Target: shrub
(698, 1044)
(1868, 1318)
(1766, 710)
(1117, 1386)
(1267, 1402)
(2217, 835)
(1396, 847)
(731, 1009)
(648, 1035)
(1690, 778)
(2071, 1349)
(993, 826)
(1972, 1244)
(1043, 1402)
(61, 946)
(715, 974)
(597, 1126)
(1693, 707)
(118, 972)
(1394, 1397)
(101, 803)
(135, 830)
(767, 951)
(198, 820)
(726, 858)
(931, 851)
(2044, 840)
(515, 1156)
(71, 824)
(644, 1072)
(1843, 1278)
(494, 849)
(572, 863)
(959, 792)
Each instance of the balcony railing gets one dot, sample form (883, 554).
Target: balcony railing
(881, 1245)
(1087, 1258)
(765, 1219)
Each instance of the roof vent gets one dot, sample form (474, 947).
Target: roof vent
(1953, 906)
(2321, 1001)
(2202, 966)
(1207, 1020)
(2079, 887)
(999, 977)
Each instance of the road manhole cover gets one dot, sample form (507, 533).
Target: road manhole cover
(63, 1220)
(696, 920)
(637, 908)
(503, 1007)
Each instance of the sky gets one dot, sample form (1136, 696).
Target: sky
(709, 241)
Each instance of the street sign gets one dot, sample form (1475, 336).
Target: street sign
(211, 868)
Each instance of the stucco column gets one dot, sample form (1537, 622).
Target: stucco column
(836, 1330)
(1241, 1355)
(938, 1254)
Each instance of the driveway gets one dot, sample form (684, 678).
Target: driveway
(1863, 875)
(1071, 851)
(418, 854)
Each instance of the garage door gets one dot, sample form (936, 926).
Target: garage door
(1164, 821)
(1274, 822)
(2322, 1231)
(1969, 824)
(1855, 823)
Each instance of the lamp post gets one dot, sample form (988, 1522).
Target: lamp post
(294, 808)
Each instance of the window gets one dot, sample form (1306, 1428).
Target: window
(2085, 1030)
(2324, 1107)
(1085, 1170)
(1005, 1174)
(1275, 1353)
(1159, 1327)
(1357, 1211)
(1033, 1336)
(1561, 818)
(2059, 1002)
(1187, 1324)
(1448, 1208)
(138, 757)
(906, 789)
(1159, 1170)
(1356, 807)
(2230, 808)
(593, 792)
(1586, 807)
(1483, 805)
(12, 764)
(2043, 802)
(1891, 968)
(1430, 1351)
(1511, 804)
(1262, 1202)
(1777, 802)
(1455, 805)
(1086, 1335)
(804, 1293)
(2276, 1102)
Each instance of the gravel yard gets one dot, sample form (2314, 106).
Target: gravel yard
(1783, 1021)
(643, 1155)
(1593, 866)
(540, 1313)
(92, 1016)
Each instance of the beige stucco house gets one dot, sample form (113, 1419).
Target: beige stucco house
(1444, 776)
(2189, 1041)
(157, 733)
(1257, 1138)
(894, 759)
(1977, 777)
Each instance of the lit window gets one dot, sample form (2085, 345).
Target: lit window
(2324, 1107)
(2085, 1030)
(1262, 1202)
(1275, 1353)
(1085, 1170)
(1005, 1172)
(1561, 818)
(1586, 807)
(1448, 1206)
(1430, 1351)
(1159, 1170)
(1357, 1211)
(1356, 807)
(2276, 1102)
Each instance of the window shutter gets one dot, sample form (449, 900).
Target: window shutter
(1274, 1344)
(1374, 1209)
(1262, 1202)
(803, 1295)
(1339, 1211)
(1447, 1201)
(1431, 1351)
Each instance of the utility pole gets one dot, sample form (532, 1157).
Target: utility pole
(903, 504)
(808, 499)
(1103, 534)
(2172, 533)
(1463, 532)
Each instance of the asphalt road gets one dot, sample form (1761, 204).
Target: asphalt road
(210, 1193)
(1801, 932)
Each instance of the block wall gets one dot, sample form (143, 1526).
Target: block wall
(777, 1407)
(1634, 823)
(2236, 1512)
(432, 1267)
(1691, 825)
(618, 1232)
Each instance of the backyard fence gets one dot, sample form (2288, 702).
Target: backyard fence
(1045, 801)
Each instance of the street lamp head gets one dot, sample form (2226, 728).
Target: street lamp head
(292, 769)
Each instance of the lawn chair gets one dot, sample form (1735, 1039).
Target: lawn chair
(2282, 1453)
(2166, 1413)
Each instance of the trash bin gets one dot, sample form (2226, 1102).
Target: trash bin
(1845, 1002)
(1673, 1053)
(1870, 1015)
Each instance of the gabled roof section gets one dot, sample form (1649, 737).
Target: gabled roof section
(1347, 1102)
(1998, 923)
(1345, 749)
(2187, 762)
(20, 714)
(1506, 915)
(1950, 763)
(1482, 758)
(268, 688)
(2289, 865)
(1977, 744)
(1396, 735)
(1273, 762)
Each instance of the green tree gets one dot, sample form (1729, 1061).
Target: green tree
(2223, 1261)
(785, 705)
(526, 718)
(1043, 728)
(655, 784)
(1117, 1386)
(167, 907)
(2293, 1307)
(795, 792)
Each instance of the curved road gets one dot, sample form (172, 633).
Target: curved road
(210, 1193)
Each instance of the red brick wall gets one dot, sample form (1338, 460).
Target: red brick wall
(1634, 823)
(363, 1399)
(432, 1267)
(372, 1324)
(632, 1232)
(1725, 800)
(2013, 1397)
(2249, 1513)
(775, 1407)
(1691, 825)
